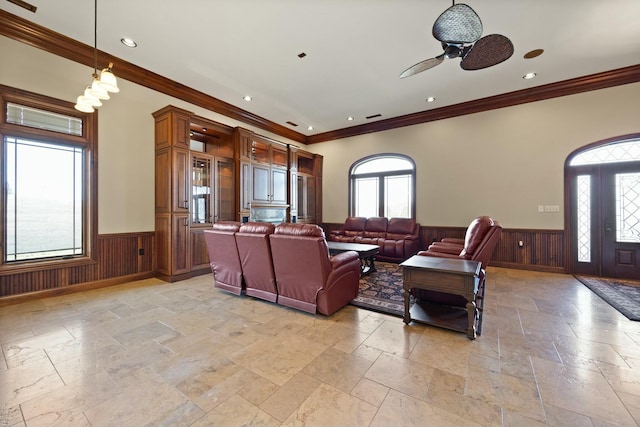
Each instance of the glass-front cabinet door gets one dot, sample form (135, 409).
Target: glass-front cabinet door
(212, 189)
(201, 184)
(224, 201)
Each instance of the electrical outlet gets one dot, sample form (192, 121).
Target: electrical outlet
(520, 243)
(141, 251)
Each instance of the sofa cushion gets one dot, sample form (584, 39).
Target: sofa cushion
(475, 234)
(354, 226)
(257, 227)
(402, 226)
(311, 230)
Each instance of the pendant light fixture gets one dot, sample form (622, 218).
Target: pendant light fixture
(102, 83)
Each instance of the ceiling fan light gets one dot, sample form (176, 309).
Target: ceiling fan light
(108, 80)
(90, 99)
(82, 105)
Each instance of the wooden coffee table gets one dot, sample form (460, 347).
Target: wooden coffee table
(366, 253)
(451, 276)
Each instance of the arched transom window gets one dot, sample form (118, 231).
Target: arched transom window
(383, 185)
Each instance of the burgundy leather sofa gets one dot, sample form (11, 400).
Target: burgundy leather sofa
(255, 257)
(223, 256)
(398, 238)
(307, 277)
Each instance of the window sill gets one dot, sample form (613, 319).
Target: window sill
(30, 266)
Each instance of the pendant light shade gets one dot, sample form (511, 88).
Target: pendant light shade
(98, 91)
(90, 99)
(83, 105)
(102, 83)
(108, 81)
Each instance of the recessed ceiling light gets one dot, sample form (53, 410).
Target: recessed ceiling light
(430, 99)
(309, 127)
(247, 98)
(204, 129)
(529, 76)
(128, 42)
(350, 118)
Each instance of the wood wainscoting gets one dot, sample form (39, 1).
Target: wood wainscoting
(120, 258)
(541, 250)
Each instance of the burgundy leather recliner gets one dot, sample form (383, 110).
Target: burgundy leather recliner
(255, 257)
(308, 278)
(479, 242)
(223, 256)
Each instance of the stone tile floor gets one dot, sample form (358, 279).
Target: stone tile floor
(160, 354)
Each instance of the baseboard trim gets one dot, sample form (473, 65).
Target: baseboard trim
(66, 290)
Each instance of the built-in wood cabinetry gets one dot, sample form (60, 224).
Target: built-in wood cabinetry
(306, 186)
(195, 186)
(207, 172)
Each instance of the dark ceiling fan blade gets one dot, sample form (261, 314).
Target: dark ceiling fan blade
(422, 66)
(488, 51)
(459, 24)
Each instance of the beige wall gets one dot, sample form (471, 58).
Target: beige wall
(125, 131)
(502, 163)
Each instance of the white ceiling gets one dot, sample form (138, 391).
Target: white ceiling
(355, 49)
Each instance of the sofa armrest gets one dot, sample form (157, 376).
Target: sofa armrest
(343, 258)
(453, 240)
(449, 248)
(439, 254)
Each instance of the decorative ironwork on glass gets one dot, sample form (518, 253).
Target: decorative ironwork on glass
(584, 217)
(625, 151)
(628, 207)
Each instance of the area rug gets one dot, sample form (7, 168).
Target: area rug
(382, 290)
(624, 297)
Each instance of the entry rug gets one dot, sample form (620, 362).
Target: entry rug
(382, 290)
(623, 297)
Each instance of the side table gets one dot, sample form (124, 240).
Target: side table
(447, 275)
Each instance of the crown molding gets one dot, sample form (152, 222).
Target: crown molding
(27, 32)
(37, 36)
(591, 82)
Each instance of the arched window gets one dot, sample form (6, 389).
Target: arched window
(383, 185)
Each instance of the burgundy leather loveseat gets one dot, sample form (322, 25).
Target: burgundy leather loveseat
(398, 238)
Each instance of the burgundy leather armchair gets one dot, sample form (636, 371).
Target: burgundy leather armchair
(479, 242)
(255, 257)
(223, 256)
(308, 278)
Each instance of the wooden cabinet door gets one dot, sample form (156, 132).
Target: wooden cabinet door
(224, 190)
(278, 186)
(180, 248)
(199, 254)
(181, 182)
(260, 184)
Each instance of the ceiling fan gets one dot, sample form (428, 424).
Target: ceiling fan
(459, 29)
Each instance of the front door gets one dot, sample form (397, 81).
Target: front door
(605, 220)
(621, 221)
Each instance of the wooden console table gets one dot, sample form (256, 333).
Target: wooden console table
(447, 275)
